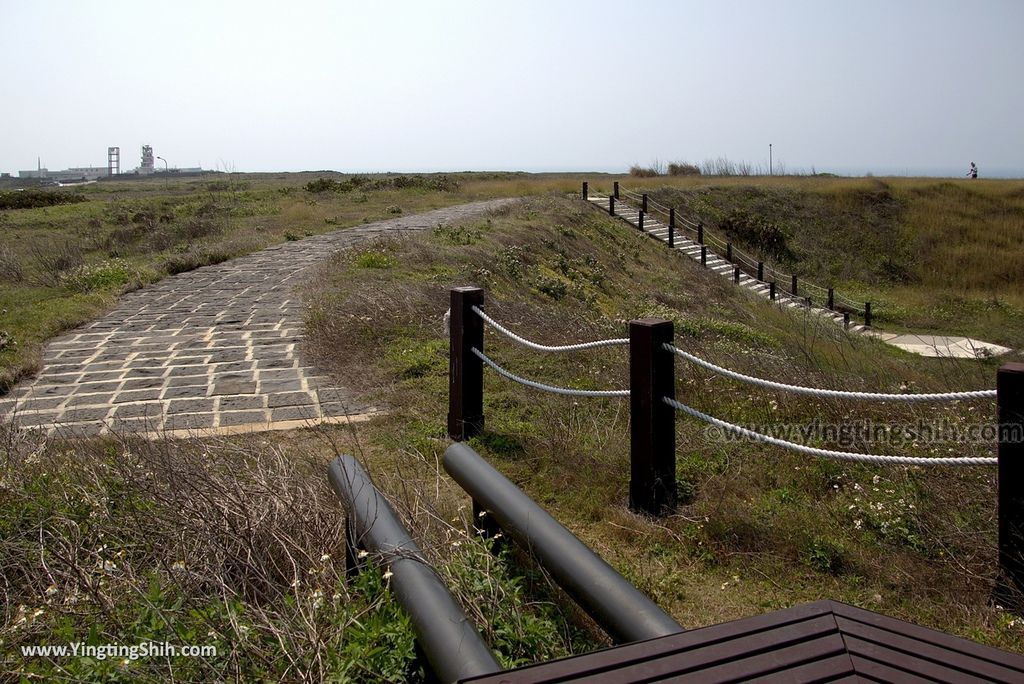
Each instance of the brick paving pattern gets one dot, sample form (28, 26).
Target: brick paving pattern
(211, 349)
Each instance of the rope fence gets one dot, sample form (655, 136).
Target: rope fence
(827, 393)
(827, 453)
(654, 412)
(568, 391)
(542, 347)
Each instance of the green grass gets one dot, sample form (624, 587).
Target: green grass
(932, 256)
(759, 528)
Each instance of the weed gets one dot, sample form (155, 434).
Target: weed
(52, 260)
(824, 555)
(374, 259)
(113, 274)
(456, 235)
(11, 268)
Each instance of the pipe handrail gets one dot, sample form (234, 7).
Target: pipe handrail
(450, 641)
(615, 604)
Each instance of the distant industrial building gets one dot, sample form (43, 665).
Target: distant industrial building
(113, 168)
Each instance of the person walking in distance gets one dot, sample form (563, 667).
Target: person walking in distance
(973, 171)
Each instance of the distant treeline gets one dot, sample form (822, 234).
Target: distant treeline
(30, 199)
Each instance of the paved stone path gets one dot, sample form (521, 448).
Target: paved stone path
(211, 349)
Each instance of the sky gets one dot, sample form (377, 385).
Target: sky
(880, 86)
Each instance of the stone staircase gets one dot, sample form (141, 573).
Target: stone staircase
(626, 209)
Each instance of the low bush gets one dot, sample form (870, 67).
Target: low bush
(33, 199)
(643, 172)
(52, 259)
(683, 169)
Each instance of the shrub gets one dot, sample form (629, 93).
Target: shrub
(52, 260)
(106, 275)
(683, 169)
(191, 260)
(32, 199)
(10, 266)
(643, 172)
(757, 231)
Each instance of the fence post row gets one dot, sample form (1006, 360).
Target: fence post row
(643, 202)
(700, 233)
(760, 271)
(736, 275)
(615, 186)
(1010, 416)
(465, 369)
(831, 299)
(867, 314)
(793, 290)
(652, 482)
(611, 205)
(771, 290)
(640, 221)
(586, 194)
(671, 227)
(728, 252)
(704, 255)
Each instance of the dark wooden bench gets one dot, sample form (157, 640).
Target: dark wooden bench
(815, 642)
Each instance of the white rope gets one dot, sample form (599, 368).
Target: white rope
(569, 391)
(813, 391)
(542, 347)
(829, 453)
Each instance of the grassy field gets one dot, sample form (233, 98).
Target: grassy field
(933, 256)
(64, 264)
(236, 540)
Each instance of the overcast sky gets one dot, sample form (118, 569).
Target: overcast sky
(865, 85)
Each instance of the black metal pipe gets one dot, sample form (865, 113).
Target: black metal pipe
(615, 604)
(448, 638)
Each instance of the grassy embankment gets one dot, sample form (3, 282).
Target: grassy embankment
(235, 541)
(933, 256)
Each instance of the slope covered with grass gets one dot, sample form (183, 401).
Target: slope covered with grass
(759, 528)
(941, 256)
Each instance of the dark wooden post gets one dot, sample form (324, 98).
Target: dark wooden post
(793, 290)
(1010, 417)
(846, 320)
(700, 233)
(672, 227)
(867, 314)
(760, 270)
(652, 482)
(728, 252)
(640, 221)
(643, 202)
(831, 299)
(586, 194)
(465, 369)
(611, 205)
(771, 290)
(736, 275)
(615, 187)
(704, 255)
